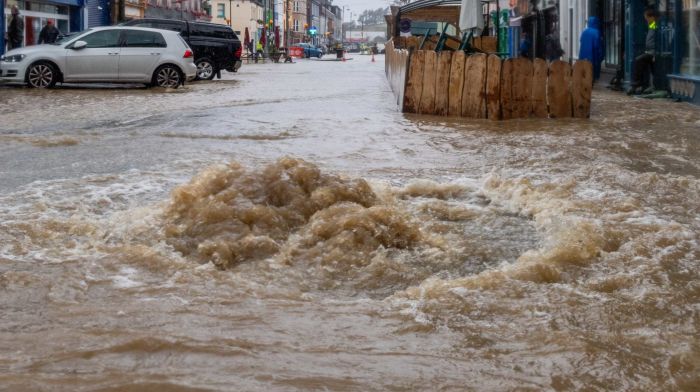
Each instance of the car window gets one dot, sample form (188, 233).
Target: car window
(210, 31)
(143, 39)
(174, 26)
(102, 39)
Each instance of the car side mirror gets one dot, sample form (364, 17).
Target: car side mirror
(79, 45)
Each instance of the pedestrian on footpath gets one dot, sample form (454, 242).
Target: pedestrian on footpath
(591, 48)
(258, 50)
(644, 63)
(49, 34)
(15, 30)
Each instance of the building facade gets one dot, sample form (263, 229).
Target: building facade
(66, 15)
(238, 14)
(167, 9)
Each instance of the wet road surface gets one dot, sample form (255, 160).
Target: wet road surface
(287, 229)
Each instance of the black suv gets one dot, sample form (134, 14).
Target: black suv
(215, 46)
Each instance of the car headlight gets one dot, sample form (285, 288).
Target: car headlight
(15, 58)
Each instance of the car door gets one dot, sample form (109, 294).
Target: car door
(140, 54)
(97, 61)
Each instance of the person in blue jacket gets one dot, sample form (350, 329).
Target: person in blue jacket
(591, 48)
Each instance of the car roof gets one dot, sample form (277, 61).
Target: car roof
(133, 28)
(219, 25)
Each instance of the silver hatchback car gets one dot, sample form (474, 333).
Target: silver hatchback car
(117, 54)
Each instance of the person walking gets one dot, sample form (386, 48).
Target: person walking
(644, 63)
(258, 50)
(552, 45)
(15, 30)
(591, 48)
(49, 34)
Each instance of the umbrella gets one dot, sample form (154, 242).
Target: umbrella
(277, 36)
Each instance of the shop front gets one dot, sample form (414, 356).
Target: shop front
(65, 14)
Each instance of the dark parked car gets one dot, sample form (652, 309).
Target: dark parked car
(215, 46)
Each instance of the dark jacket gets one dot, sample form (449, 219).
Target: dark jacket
(591, 48)
(48, 34)
(650, 45)
(15, 30)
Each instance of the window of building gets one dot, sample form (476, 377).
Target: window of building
(296, 6)
(296, 25)
(221, 10)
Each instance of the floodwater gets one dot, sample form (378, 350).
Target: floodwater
(287, 229)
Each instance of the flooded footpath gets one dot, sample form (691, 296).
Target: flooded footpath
(286, 228)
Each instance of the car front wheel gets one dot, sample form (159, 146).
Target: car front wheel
(42, 75)
(205, 69)
(167, 76)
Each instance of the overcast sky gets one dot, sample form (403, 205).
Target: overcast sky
(357, 6)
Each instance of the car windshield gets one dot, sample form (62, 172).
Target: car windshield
(67, 37)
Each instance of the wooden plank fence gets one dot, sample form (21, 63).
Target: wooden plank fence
(450, 83)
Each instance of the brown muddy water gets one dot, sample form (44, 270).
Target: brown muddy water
(286, 229)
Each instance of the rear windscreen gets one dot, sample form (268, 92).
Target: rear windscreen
(210, 31)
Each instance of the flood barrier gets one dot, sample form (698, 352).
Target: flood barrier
(480, 85)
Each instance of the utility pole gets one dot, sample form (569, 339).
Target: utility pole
(2, 27)
(287, 16)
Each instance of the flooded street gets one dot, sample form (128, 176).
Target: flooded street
(287, 229)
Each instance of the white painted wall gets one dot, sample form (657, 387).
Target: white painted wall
(572, 22)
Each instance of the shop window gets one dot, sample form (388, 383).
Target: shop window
(62, 26)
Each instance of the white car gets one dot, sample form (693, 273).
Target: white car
(115, 54)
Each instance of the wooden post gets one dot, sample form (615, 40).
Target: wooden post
(442, 90)
(581, 88)
(474, 94)
(507, 89)
(559, 89)
(414, 85)
(539, 88)
(427, 100)
(522, 87)
(493, 86)
(456, 83)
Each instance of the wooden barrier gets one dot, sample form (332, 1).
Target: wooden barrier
(484, 86)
